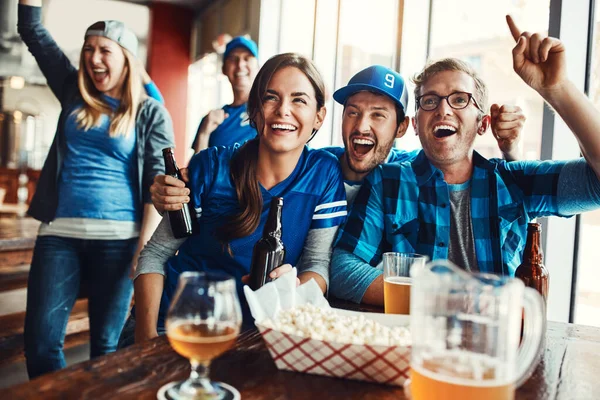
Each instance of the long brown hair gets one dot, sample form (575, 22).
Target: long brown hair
(244, 163)
(123, 118)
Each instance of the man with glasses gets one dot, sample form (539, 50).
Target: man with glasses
(450, 202)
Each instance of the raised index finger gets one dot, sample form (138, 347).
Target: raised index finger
(515, 32)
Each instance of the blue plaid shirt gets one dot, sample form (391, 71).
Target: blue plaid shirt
(405, 207)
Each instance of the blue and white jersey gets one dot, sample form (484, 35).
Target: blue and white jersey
(234, 129)
(313, 198)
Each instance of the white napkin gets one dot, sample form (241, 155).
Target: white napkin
(283, 294)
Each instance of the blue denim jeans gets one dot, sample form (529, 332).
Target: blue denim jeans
(58, 267)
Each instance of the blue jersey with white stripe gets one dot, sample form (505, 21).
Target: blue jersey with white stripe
(313, 196)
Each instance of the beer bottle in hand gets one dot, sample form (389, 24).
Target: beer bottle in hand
(269, 251)
(181, 220)
(532, 271)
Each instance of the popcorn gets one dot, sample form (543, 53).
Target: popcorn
(317, 323)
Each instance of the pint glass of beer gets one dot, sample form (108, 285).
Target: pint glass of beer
(203, 321)
(397, 281)
(465, 330)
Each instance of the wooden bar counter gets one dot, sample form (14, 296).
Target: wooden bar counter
(569, 370)
(17, 239)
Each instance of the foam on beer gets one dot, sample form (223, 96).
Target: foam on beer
(462, 368)
(325, 324)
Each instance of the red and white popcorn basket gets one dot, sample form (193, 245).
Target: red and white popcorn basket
(383, 364)
(366, 362)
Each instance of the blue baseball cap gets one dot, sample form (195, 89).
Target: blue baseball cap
(378, 79)
(243, 42)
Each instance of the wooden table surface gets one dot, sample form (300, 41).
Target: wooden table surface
(17, 233)
(569, 370)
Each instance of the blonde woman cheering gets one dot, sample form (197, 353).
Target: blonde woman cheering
(92, 196)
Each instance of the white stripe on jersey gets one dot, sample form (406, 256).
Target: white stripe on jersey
(198, 212)
(330, 215)
(331, 205)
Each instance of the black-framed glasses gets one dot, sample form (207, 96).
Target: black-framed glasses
(456, 100)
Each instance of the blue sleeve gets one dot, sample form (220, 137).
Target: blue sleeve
(538, 183)
(332, 208)
(199, 173)
(152, 91)
(363, 234)
(350, 277)
(578, 189)
(53, 63)
(205, 169)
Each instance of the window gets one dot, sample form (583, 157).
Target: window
(208, 89)
(367, 36)
(587, 294)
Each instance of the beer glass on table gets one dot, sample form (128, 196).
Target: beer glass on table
(465, 331)
(397, 281)
(203, 321)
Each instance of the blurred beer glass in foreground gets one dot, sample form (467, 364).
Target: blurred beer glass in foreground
(397, 281)
(465, 330)
(203, 321)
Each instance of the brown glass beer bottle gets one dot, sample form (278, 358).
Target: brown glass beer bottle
(181, 220)
(269, 250)
(532, 271)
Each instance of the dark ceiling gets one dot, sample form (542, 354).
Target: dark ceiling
(195, 5)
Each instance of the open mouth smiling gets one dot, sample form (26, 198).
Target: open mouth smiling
(442, 131)
(99, 73)
(283, 128)
(362, 146)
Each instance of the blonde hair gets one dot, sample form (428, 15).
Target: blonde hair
(452, 64)
(123, 118)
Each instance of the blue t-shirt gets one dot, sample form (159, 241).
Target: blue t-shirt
(313, 196)
(97, 178)
(234, 129)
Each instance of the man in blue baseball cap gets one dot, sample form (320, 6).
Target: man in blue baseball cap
(374, 101)
(229, 125)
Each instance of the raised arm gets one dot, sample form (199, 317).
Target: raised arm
(53, 63)
(541, 62)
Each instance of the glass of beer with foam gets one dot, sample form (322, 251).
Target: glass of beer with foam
(397, 281)
(203, 321)
(465, 330)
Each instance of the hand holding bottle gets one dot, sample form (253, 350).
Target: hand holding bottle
(276, 273)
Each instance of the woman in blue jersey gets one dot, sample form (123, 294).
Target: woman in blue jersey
(92, 196)
(232, 188)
